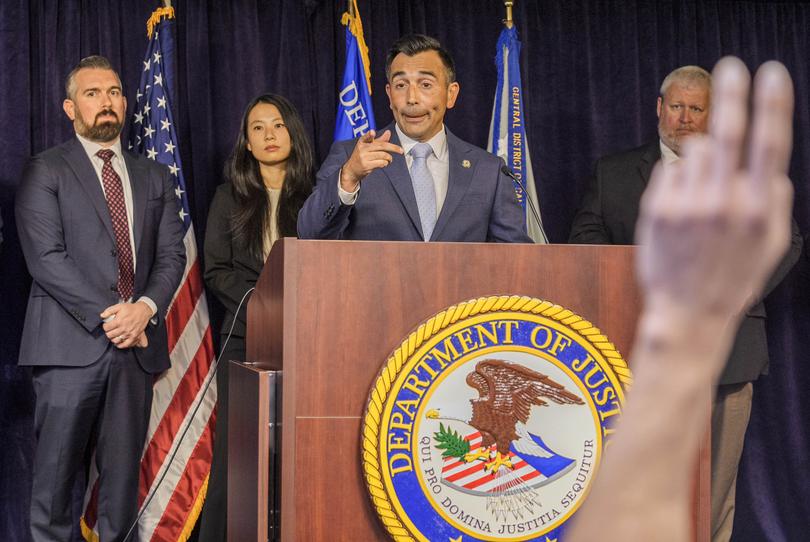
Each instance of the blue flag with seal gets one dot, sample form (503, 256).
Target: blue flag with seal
(507, 132)
(355, 115)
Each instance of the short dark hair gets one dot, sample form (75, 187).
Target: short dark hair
(413, 44)
(97, 62)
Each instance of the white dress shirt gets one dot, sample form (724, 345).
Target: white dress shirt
(120, 167)
(668, 156)
(438, 163)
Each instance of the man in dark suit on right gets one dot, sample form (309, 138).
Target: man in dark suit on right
(608, 215)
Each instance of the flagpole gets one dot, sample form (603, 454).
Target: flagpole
(167, 3)
(351, 8)
(508, 21)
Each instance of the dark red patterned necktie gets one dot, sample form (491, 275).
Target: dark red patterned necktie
(114, 191)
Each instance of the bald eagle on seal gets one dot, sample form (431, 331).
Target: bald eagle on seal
(506, 394)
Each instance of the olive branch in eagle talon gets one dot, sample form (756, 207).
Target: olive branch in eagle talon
(506, 393)
(451, 443)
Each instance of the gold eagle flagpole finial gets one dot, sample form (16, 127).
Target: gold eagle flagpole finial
(508, 5)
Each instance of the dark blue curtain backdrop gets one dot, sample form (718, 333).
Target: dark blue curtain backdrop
(591, 72)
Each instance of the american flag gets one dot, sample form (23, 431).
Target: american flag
(177, 455)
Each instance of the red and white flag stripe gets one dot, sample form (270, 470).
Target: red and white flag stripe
(177, 455)
(474, 477)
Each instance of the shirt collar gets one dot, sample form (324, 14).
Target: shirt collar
(668, 156)
(438, 143)
(91, 147)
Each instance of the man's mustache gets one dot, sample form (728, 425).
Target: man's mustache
(109, 112)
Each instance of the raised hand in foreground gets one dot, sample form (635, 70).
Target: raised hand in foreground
(712, 229)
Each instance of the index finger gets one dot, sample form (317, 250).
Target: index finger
(772, 128)
(387, 147)
(729, 115)
(384, 140)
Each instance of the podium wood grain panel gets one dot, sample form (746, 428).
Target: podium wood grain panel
(328, 461)
(355, 310)
(331, 312)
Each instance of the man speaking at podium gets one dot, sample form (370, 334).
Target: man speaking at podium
(416, 181)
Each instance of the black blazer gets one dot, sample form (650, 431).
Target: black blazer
(608, 216)
(230, 270)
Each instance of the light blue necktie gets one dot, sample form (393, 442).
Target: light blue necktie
(424, 188)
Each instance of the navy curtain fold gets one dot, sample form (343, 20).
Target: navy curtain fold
(591, 71)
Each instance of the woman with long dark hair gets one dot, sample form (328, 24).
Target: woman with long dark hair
(269, 176)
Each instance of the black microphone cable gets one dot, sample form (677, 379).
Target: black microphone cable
(152, 492)
(508, 172)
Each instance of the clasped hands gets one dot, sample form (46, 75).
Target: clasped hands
(125, 324)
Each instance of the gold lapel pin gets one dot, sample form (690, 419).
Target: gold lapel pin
(465, 163)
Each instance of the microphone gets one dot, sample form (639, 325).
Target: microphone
(508, 172)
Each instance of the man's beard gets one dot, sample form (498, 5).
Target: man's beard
(671, 140)
(100, 131)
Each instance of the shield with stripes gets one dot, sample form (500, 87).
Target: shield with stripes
(473, 478)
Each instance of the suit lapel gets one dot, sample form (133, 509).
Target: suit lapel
(139, 195)
(648, 160)
(79, 162)
(459, 179)
(397, 172)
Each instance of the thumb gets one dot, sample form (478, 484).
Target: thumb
(110, 311)
(368, 137)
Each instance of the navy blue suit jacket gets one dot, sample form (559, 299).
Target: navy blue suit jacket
(69, 245)
(480, 204)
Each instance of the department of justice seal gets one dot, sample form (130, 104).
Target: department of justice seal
(489, 422)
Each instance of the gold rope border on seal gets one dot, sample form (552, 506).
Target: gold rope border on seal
(451, 315)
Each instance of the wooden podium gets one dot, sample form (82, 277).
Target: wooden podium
(329, 313)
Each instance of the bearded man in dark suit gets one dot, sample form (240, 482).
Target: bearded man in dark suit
(101, 234)
(608, 216)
